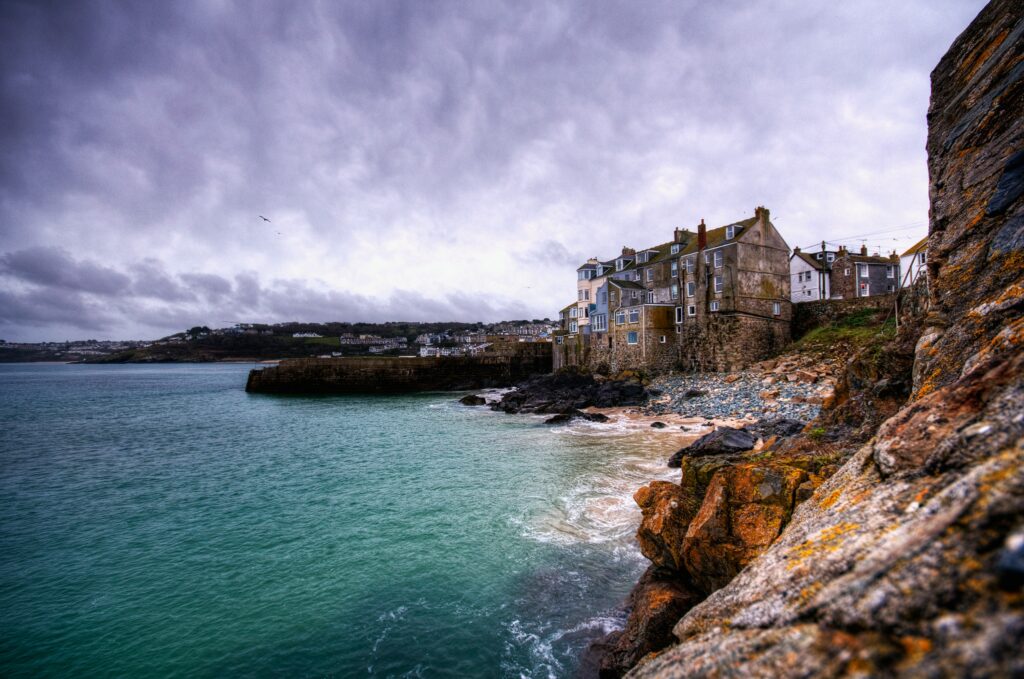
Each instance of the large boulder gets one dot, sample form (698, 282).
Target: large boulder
(473, 400)
(722, 441)
(564, 392)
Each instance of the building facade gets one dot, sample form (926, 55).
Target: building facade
(810, 274)
(863, 275)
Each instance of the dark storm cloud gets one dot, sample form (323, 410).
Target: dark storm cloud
(386, 137)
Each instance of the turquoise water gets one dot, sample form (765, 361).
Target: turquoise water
(159, 521)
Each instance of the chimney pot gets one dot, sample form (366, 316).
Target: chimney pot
(864, 250)
(702, 235)
(796, 251)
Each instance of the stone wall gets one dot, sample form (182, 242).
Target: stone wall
(727, 342)
(810, 315)
(400, 374)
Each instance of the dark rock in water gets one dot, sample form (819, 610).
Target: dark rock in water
(780, 427)
(658, 425)
(562, 418)
(695, 393)
(473, 400)
(722, 441)
(564, 392)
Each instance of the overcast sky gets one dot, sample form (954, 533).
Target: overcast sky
(431, 160)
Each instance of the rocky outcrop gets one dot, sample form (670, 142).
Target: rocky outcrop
(567, 391)
(902, 561)
(473, 400)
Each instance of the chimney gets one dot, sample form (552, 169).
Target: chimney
(842, 251)
(796, 251)
(626, 251)
(679, 235)
(762, 213)
(864, 250)
(702, 235)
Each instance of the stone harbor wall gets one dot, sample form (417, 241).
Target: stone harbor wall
(399, 374)
(723, 343)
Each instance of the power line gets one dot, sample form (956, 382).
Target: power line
(837, 241)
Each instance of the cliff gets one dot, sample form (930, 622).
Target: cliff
(888, 538)
(401, 374)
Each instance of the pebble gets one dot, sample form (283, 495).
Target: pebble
(734, 395)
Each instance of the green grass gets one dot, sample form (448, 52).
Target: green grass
(859, 328)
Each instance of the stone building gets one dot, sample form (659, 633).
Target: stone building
(863, 275)
(736, 306)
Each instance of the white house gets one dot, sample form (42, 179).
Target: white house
(810, 274)
(913, 261)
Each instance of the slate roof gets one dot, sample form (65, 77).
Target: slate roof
(629, 285)
(717, 237)
(819, 264)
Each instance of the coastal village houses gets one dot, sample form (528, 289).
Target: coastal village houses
(709, 299)
(863, 275)
(810, 274)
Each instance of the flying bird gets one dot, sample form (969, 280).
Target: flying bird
(264, 218)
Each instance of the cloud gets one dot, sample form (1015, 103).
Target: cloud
(441, 149)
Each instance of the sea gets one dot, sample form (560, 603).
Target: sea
(158, 521)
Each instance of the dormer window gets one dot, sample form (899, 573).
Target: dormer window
(830, 257)
(730, 231)
(675, 249)
(817, 256)
(619, 264)
(641, 258)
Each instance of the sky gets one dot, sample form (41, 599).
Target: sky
(432, 160)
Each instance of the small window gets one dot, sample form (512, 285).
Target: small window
(636, 275)
(862, 270)
(707, 258)
(573, 326)
(650, 298)
(641, 258)
(730, 231)
(559, 339)
(691, 310)
(714, 306)
(634, 315)
(776, 308)
(675, 291)
(846, 272)
(817, 256)
(889, 272)
(691, 289)
(830, 257)
(620, 318)
(650, 275)
(922, 257)
(579, 295)
(718, 259)
(675, 268)
(690, 264)
(636, 295)
(807, 293)
(718, 283)
(679, 314)
(573, 312)
(586, 295)
(663, 339)
(888, 288)
(631, 338)
(675, 249)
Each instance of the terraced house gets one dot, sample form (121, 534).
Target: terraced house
(711, 299)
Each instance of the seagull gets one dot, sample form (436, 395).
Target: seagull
(264, 218)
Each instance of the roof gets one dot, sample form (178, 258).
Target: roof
(566, 308)
(629, 285)
(819, 264)
(587, 266)
(917, 247)
(717, 237)
(868, 259)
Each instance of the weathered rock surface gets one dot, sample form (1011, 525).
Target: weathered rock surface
(721, 441)
(473, 400)
(567, 391)
(563, 418)
(902, 562)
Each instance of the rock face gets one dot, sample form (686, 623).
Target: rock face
(473, 400)
(905, 561)
(721, 441)
(569, 391)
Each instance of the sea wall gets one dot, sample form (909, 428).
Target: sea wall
(398, 374)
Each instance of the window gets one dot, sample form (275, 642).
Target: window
(675, 249)
(714, 306)
(675, 291)
(634, 315)
(602, 296)
(889, 272)
(830, 257)
(620, 318)
(620, 263)
(631, 338)
(707, 258)
(586, 295)
(600, 322)
(675, 268)
(730, 231)
(807, 293)
(586, 312)
(817, 256)
(862, 270)
(846, 272)
(690, 264)
(636, 295)
(650, 275)
(573, 312)
(650, 297)
(888, 288)
(691, 289)
(558, 340)
(922, 257)
(679, 314)
(691, 310)
(636, 275)
(718, 259)
(573, 326)
(776, 308)
(718, 283)
(613, 297)
(641, 258)
(663, 339)
(579, 295)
